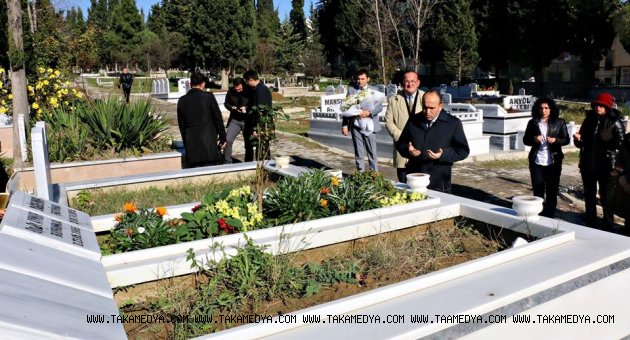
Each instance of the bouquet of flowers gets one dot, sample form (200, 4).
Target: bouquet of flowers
(362, 100)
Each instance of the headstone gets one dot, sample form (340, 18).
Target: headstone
(41, 164)
(332, 103)
(455, 83)
(518, 103)
(53, 233)
(22, 132)
(521, 92)
(380, 88)
(447, 98)
(341, 89)
(391, 90)
(21, 200)
(473, 87)
(330, 90)
(183, 85)
(443, 88)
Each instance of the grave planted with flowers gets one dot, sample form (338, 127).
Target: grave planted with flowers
(308, 197)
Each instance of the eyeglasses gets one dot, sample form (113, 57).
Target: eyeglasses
(409, 81)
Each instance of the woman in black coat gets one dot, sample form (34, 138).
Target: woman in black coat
(600, 138)
(546, 133)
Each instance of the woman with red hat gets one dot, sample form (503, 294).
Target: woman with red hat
(600, 138)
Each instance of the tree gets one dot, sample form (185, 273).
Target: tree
(4, 35)
(418, 13)
(460, 40)
(314, 61)
(125, 33)
(297, 19)
(622, 26)
(18, 74)
(226, 40)
(289, 48)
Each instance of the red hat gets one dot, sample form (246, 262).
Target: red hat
(604, 99)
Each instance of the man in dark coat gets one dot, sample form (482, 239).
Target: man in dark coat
(125, 81)
(259, 95)
(200, 124)
(433, 141)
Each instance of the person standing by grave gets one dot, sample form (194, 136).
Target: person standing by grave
(259, 95)
(432, 141)
(125, 81)
(236, 101)
(622, 196)
(362, 141)
(546, 133)
(400, 107)
(200, 124)
(600, 138)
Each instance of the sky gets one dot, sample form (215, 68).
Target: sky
(283, 6)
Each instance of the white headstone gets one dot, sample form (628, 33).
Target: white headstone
(22, 133)
(521, 92)
(518, 103)
(443, 88)
(380, 88)
(473, 87)
(341, 89)
(447, 98)
(332, 103)
(391, 90)
(41, 163)
(330, 90)
(52, 233)
(183, 85)
(51, 209)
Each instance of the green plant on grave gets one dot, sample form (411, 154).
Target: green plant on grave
(83, 201)
(119, 126)
(265, 134)
(68, 138)
(140, 229)
(221, 213)
(317, 194)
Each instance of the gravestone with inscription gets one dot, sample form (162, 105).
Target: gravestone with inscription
(391, 90)
(183, 85)
(447, 98)
(518, 103)
(380, 88)
(330, 90)
(43, 222)
(521, 92)
(341, 89)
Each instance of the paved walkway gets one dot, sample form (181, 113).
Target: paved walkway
(471, 179)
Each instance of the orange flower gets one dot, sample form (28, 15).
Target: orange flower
(335, 181)
(129, 231)
(130, 207)
(161, 211)
(324, 191)
(118, 218)
(323, 202)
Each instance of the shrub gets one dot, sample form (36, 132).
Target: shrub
(68, 138)
(140, 229)
(121, 126)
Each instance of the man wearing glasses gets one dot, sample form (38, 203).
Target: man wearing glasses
(402, 106)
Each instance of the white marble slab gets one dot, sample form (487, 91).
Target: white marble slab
(25, 257)
(35, 227)
(35, 308)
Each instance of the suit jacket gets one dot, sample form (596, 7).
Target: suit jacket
(447, 133)
(397, 117)
(349, 121)
(260, 95)
(201, 126)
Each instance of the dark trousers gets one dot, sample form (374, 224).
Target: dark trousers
(545, 182)
(606, 192)
(127, 93)
(249, 145)
(401, 173)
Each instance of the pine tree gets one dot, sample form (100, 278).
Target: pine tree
(125, 33)
(460, 39)
(297, 19)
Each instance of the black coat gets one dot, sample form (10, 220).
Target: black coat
(259, 95)
(596, 154)
(236, 99)
(556, 128)
(201, 125)
(126, 80)
(447, 133)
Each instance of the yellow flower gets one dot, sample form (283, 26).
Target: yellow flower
(1, 70)
(323, 203)
(39, 112)
(57, 73)
(49, 70)
(130, 207)
(161, 211)
(52, 101)
(46, 82)
(10, 96)
(30, 88)
(41, 69)
(335, 181)
(79, 95)
(35, 106)
(3, 110)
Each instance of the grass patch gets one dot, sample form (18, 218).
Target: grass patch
(140, 85)
(298, 126)
(304, 141)
(108, 201)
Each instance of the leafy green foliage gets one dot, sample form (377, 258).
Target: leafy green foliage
(118, 126)
(67, 136)
(139, 229)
